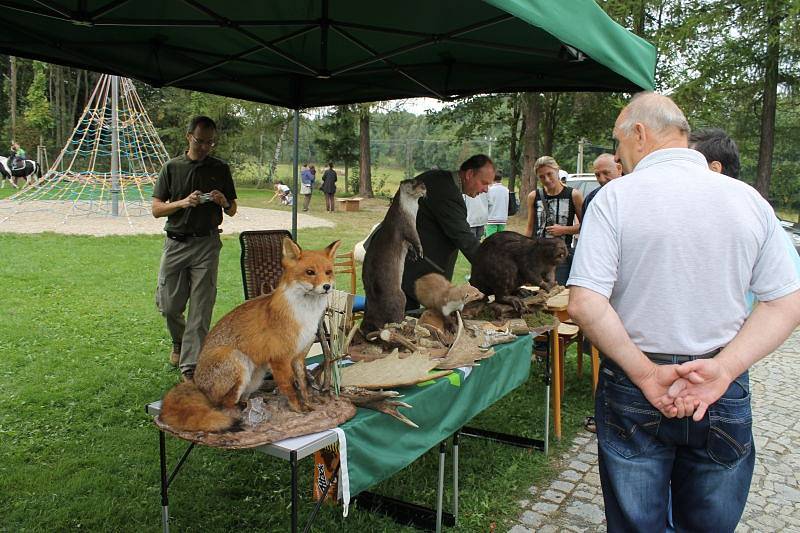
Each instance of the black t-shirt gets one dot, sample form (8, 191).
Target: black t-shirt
(181, 176)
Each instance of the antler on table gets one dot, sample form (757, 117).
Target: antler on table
(382, 401)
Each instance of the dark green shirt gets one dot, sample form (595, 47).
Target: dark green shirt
(181, 176)
(443, 230)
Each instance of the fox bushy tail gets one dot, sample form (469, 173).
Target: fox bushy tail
(186, 408)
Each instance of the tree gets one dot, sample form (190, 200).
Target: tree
(517, 132)
(767, 143)
(37, 110)
(337, 138)
(720, 53)
(364, 162)
(13, 95)
(494, 116)
(532, 111)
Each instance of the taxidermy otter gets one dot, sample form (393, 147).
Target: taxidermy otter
(386, 255)
(442, 299)
(507, 260)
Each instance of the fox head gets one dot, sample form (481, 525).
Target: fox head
(311, 271)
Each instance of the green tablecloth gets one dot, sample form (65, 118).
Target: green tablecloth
(379, 445)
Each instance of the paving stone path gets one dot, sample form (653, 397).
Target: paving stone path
(574, 501)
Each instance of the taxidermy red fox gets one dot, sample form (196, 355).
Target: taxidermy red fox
(272, 331)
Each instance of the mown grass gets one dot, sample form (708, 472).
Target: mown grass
(384, 179)
(84, 349)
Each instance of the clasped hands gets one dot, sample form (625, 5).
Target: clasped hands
(687, 389)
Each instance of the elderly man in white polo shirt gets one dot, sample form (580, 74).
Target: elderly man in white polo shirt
(658, 284)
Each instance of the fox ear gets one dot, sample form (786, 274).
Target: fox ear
(331, 249)
(291, 251)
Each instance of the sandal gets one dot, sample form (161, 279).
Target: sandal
(589, 425)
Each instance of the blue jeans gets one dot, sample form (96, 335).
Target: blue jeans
(643, 455)
(562, 270)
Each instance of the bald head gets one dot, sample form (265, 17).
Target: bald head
(648, 123)
(606, 168)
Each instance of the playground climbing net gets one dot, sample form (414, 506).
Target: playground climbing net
(109, 165)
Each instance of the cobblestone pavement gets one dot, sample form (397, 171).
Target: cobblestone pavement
(573, 501)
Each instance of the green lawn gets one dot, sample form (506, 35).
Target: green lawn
(83, 349)
(384, 179)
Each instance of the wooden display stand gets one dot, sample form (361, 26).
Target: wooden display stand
(350, 204)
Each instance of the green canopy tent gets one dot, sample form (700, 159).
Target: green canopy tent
(309, 53)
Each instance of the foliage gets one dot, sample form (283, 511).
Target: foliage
(37, 111)
(337, 136)
(711, 60)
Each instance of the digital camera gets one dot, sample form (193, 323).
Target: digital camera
(205, 197)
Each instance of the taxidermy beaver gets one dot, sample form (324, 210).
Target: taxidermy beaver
(386, 255)
(507, 260)
(442, 299)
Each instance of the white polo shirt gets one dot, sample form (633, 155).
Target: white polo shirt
(675, 247)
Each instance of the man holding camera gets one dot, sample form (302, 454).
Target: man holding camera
(192, 191)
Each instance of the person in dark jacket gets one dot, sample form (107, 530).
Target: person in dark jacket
(442, 220)
(329, 187)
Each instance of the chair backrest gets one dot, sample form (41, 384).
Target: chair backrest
(339, 315)
(261, 260)
(345, 263)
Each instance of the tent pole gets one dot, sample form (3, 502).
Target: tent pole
(295, 164)
(115, 146)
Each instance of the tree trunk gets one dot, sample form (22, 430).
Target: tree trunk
(639, 17)
(273, 165)
(364, 163)
(13, 96)
(56, 98)
(345, 177)
(513, 150)
(65, 120)
(767, 143)
(74, 107)
(532, 111)
(549, 122)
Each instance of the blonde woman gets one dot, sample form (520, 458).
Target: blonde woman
(554, 210)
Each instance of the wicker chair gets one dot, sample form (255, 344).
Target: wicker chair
(261, 260)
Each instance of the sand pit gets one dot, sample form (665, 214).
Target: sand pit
(60, 217)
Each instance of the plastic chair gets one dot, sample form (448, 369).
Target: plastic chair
(261, 260)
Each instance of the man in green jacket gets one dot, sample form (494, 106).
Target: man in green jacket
(442, 220)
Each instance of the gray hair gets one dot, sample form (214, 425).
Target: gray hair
(604, 156)
(656, 111)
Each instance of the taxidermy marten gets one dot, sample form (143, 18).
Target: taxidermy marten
(442, 298)
(507, 260)
(386, 255)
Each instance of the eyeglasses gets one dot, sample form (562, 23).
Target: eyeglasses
(211, 143)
